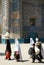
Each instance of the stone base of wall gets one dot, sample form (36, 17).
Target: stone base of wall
(22, 40)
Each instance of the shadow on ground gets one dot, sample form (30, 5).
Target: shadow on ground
(39, 62)
(12, 59)
(24, 60)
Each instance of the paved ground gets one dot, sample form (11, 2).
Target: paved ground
(25, 56)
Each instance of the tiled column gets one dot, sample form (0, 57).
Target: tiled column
(5, 16)
(16, 19)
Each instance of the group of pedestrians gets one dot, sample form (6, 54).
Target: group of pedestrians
(8, 51)
(35, 50)
(17, 50)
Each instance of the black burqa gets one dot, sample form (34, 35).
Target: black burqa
(8, 46)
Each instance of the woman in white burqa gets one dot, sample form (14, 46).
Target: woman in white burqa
(30, 47)
(31, 42)
(17, 51)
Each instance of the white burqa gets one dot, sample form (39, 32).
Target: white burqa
(31, 42)
(37, 40)
(42, 51)
(17, 48)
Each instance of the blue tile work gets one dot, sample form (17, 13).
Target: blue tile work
(22, 40)
(13, 41)
(15, 5)
(3, 41)
(31, 8)
(15, 8)
(3, 7)
(6, 11)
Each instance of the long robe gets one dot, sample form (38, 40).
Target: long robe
(42, 51)
(17, 48)
(31, 46)
(8, 46)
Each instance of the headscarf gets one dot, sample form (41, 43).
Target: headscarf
(31, 42)
(7, 35)
(37, 40)
(17, 48)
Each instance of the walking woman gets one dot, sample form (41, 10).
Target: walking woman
(17, 51)
(8, 47)
(39, 45)
(8, 50)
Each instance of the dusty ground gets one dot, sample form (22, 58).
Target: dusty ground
(25, 57)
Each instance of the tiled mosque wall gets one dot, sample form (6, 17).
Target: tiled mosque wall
(21, 12)
(15, 18)
(33, 9)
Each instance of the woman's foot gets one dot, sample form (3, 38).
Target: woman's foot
(9, 58)
(6, 58)
(18, 60)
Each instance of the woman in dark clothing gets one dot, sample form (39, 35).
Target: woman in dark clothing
(8, 49)
(34, 56)
(38, 43)
(33, 53)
